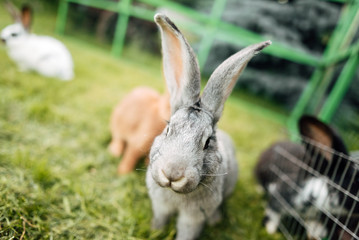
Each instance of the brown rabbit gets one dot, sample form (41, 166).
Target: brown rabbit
(135, 122)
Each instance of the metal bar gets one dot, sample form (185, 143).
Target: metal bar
(342, 55)
(341, 38)
(121, 27)
(333, 46)
(319, 80)
(285, 178)
(303, 101)
(353, 26)
(348, 165)
(190, 13)
(61, 17)
(226, 32)
(207, 39)
(233, 34)
(338, 34)
(141, 13)
(340, 88)
(315, 173)
(105, 5)
(339, 1)
(285, 232)
(238, 36)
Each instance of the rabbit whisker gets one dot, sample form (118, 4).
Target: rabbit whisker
(215, 174)
(207, 186)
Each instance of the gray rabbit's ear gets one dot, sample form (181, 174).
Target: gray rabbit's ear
(224, 78)
(180, 65)
(14, 11)
(26, 16)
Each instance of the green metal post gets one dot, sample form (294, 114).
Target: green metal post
(61, 17)
(207, 26)
(340, 88)
(342, 55)
(207, 40)
(320, 78)
(121, 27)
(338, 34)
(303, 102)
(342, 39)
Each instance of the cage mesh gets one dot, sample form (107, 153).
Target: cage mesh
(336, 215)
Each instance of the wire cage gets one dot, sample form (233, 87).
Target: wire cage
(326, 202)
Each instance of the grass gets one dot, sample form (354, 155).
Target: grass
(57, 180)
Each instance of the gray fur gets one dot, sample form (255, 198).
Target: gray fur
(193, 166)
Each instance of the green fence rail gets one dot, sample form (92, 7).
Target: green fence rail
(338, 50)
(210, 27)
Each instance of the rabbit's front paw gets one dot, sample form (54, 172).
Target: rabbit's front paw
(271, 221)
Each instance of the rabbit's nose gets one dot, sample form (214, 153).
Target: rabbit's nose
(165, 182)
(170, 175)
(3, 40)
(179, 184)
(175, 180)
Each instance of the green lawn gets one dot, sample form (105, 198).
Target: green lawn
(57, 180)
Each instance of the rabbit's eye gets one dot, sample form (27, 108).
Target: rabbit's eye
(14, 34)
(206, 144)
(168, 130)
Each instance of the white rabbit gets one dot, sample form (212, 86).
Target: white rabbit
(193, 166)
(42, 54)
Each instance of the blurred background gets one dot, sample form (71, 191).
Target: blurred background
(57, 180)
(303, 25)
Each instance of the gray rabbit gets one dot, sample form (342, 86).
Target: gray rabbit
(192, 164)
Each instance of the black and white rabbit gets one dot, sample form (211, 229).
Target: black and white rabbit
(42, 54)
(309, 177)
(193, 166)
